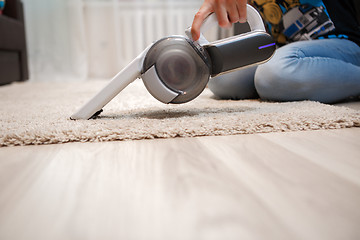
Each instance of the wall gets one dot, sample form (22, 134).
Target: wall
(117, 32)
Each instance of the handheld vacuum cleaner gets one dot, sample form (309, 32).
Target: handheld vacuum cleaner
(176, 69)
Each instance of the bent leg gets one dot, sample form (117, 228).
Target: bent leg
(321, 70)
(235, 85)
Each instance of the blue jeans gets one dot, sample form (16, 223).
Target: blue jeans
(326, 70)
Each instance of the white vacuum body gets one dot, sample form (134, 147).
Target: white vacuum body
(176, 69)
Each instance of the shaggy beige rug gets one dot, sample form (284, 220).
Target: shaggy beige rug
(38, 113)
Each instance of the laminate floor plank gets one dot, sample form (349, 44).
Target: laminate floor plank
(295, 185)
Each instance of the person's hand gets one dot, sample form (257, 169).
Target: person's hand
(227, 12)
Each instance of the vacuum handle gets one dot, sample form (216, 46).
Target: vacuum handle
(229, 54)
(252, 15)
(239, 51)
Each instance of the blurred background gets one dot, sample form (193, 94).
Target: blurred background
(94, 39)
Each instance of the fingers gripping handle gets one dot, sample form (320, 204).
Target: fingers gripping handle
(253, 18)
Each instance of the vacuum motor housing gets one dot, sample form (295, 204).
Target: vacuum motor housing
(179, 65)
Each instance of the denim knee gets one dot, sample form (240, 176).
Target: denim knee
(279, 80)
(234, 85)
(320, 70)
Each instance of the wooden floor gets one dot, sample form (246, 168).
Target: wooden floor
(297, 185)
